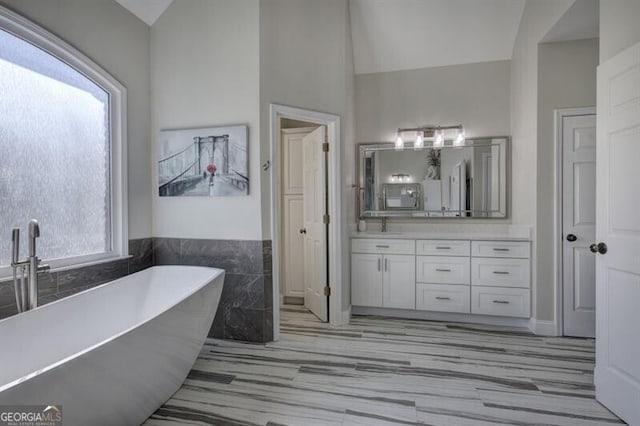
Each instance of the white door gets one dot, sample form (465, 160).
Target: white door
(617, 373)
(579, 224)
(399, 281)
(315, 235)
(366, 279)
(293, 247)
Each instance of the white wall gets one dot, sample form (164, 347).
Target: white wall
(205, 72)
(619, 26)
(538, 18)
(119, 43)
(475, 95)
(566, 78)
(306, 62)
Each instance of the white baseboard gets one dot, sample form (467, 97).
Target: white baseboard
(543, 328)
(443, 316)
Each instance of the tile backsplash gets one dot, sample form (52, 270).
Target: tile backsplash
(245, 311)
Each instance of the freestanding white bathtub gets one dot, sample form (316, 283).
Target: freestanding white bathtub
(113, 354)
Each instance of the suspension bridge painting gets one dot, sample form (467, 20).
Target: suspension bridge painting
(203, 162)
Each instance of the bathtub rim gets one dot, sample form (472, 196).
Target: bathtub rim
(218, 272)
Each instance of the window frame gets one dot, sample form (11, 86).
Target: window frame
(32, 33)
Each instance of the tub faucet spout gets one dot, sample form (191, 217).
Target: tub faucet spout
(34, 264)
(26, 295)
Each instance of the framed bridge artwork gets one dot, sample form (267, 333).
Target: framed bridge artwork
(203, 162)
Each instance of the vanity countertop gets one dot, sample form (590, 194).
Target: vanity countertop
(438, 236)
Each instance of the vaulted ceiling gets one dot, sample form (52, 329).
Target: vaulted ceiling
(391, 35)
(147, 10)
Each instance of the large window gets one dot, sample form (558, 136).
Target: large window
(61, 148)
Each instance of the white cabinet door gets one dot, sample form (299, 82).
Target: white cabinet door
(366, 279)
(399, 281)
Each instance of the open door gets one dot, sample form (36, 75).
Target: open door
(315, 229)
(617, 245)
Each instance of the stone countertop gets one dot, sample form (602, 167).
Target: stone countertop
(438, 236)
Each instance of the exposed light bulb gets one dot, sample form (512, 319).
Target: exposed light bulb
(460, 139)
(399, 143)
(438, 140)
(419, 144)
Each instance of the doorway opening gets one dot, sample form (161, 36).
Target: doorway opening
(305, 213)
(575, 221)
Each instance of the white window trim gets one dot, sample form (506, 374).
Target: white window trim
(50, 43)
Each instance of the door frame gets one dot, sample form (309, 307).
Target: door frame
(559, 115)
(332, 122)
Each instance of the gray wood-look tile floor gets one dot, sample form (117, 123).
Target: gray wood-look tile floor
(379, 371)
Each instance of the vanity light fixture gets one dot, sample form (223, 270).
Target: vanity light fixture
(435, 133)
(438, 140)
(460, 139)
(400, 177)
(399, 143)
(419, 144)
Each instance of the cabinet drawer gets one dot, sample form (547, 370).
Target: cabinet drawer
(442, 247)
(443, 298)
(511, 302)
(443, 270)
(382, 246)
(519, 249)
(500, 272)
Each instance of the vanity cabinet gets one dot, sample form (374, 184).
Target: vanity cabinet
(443, 276)
(440, 275)
(501, 278)
(383, 273)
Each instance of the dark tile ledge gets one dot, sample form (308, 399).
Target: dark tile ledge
(245, 310)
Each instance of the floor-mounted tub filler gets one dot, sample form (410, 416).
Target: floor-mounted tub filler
(113, 354)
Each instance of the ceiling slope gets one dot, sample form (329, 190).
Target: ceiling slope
(392, 35)
(147, 10)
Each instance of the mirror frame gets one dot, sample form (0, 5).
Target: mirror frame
(448, 144)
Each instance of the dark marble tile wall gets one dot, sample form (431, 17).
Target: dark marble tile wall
(245, 311)
(59, 284)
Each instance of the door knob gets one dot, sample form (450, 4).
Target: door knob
(303, 231)
(571, 238)
(598, 248)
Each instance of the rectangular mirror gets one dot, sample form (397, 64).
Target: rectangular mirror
(448, 182)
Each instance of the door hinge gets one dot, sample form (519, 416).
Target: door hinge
(327, 291)
(326, 219)
(325, 147)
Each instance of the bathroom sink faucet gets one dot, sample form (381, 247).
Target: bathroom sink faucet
(26, 297)
(383, 225)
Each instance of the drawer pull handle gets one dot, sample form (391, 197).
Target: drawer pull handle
(501, 272)
(443, 270)
(442, 298)
(382, 246)
(379, 264)
(501, 249)
(443, 248)
(502, 302)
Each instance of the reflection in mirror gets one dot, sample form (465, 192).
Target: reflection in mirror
(467, 181)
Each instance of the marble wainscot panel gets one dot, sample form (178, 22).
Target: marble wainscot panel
(57, 284)
(245, 311)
